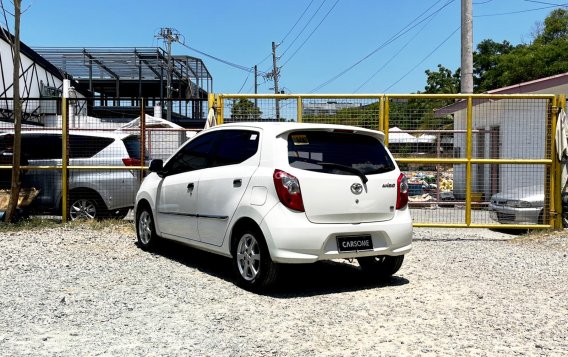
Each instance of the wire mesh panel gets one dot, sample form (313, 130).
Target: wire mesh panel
(363, 112)
(460, 152)
(106, 161)
(40, 155)
(505, 196)
(503, 139)
(105, 156)
(511, 129)
(260, 109)
(432, 197)
(482, 160)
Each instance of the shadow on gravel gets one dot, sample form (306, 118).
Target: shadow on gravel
(514, 232)
(294, 280)
(326, 277)
(212, 264)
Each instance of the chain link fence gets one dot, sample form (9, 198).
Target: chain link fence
(77, 166)
(472, 161)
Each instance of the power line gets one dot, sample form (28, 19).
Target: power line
(542, 2)
(395, 55)
(288, 33)
(297, 21)
(234, 65)
(264, 59)
(303, 29)
(310, 35)
(393, 38)
(422, 61)
(245, 82)
(522, 11)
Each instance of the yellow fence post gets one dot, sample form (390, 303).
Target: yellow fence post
(300, 109)
(386, 119)
(469, 145)
(221, 105)
(555, 170)
(210, 100)
(64, 160)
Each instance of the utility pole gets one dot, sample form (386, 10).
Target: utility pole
(466, 47)
(275, 74)
(16, 149)
(169, 35)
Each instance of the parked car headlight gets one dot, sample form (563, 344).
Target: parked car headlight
(518, 204)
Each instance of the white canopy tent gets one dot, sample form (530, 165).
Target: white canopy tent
(163, 137)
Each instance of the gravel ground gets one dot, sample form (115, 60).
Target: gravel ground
(80, 291)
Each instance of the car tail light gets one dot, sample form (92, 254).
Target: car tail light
(402, 191)
(128, 161)
(288, 190)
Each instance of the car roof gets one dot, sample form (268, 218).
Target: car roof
(279, 128)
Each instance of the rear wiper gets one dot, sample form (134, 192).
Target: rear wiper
(346, 169)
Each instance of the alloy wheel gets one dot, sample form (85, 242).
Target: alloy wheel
(145, 227)
(83, 209)
(248, 257)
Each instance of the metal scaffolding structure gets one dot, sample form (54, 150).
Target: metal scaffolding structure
(112, 77)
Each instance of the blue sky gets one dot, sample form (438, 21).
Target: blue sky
(241, 32)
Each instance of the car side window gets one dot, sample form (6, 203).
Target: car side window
(235, 146)
(41, 147)
(195, 155)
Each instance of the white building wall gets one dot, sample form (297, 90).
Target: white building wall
(33, 77)
(522, 129)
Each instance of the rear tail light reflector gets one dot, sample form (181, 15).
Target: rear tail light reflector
(288, 190)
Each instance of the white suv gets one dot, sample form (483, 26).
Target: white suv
(92, 193)
(270, 193)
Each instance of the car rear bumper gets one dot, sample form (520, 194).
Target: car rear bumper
(292, 238)
(512, 215)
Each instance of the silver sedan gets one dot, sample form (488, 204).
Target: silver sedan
(520, 205)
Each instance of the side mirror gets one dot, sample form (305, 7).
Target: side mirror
(156, 165)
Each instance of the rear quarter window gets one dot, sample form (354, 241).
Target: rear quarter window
(308, 150)
(132, 144)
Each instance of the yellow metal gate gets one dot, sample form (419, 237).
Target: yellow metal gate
(472, 160)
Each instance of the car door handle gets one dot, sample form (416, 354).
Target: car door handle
(237, 182)
(190, 187)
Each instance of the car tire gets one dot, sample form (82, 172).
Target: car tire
(381, 266)
(148, 239)
(252, 264)
(86, 206)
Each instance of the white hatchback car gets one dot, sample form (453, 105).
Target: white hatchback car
(271, 193)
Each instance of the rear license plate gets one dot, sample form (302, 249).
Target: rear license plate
(354, 243)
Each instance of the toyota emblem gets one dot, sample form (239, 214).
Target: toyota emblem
(357, 188)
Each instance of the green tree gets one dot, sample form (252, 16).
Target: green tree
(485, 60)
(442, 81)
(555, 27)
(244, 109)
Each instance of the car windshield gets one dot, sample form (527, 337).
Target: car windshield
(338, 153)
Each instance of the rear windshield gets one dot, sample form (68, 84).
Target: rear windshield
(329, 151)
(132, 144)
